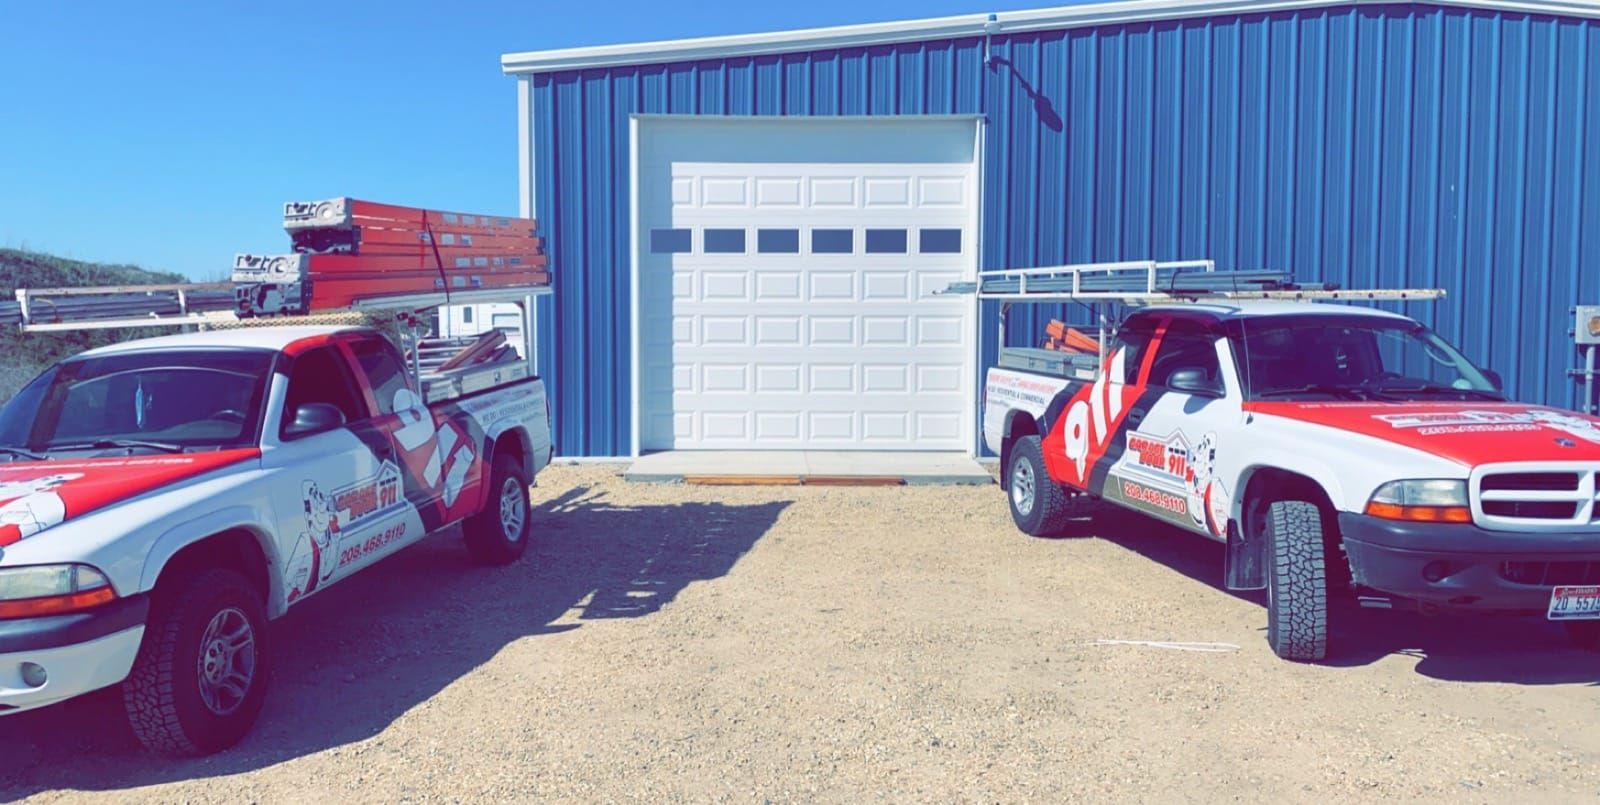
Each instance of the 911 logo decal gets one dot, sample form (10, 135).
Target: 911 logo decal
(1178, 481)
(328, 517)
(1167, 456)
(1090, 419)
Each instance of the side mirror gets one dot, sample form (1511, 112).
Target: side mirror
(1194, 381)
(1494, 379)
(313, 418)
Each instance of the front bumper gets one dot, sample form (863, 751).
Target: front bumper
(1482, 570)
(81, 652)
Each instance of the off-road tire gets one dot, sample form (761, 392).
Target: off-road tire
(1297, 581)
(1039, 506)
(1585, 635)
(490, 535)
(162, 694)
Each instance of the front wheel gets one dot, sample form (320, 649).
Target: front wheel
(498, 535)
(1039, 506)
(1297, 582)
(200, 677)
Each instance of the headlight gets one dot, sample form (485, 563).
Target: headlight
(1427, 501)
(28, 592)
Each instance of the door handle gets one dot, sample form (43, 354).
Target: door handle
(1135, 416)
(384, 451)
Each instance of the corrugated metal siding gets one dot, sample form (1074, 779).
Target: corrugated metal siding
(1372, 145)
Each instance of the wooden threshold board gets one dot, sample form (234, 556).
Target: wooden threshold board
(793, 480)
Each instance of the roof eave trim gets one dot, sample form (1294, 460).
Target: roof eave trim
(969, 25)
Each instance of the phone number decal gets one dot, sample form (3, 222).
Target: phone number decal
(373, 543)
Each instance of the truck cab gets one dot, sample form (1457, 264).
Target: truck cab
(1342, 454)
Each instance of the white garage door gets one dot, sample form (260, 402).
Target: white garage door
(787, 304)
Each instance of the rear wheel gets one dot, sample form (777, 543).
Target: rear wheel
(200, 677)
(1039, 506)
(1297, 581)
(498, 534)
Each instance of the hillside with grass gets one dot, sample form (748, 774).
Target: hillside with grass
(24, 355)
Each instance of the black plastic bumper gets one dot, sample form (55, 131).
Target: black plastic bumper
(1391, 557)
(55, 631)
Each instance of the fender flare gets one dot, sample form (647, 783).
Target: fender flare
(491, 438)
(1245, 558)
(244, 518)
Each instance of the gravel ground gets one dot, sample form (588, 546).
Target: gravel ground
(783, 644)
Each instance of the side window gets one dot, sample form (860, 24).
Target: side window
(321, 375)
(1132, 338)
(385, 372)
(1186, 345)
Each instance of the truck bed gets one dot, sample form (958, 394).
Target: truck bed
(456, 367)
(1054, 363)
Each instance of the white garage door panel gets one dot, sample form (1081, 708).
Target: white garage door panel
(775, 347)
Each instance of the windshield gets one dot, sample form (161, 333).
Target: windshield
(188, 398)
(1354, 357)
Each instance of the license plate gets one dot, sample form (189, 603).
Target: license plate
(1575, 603)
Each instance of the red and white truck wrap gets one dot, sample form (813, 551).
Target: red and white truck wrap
(1342, 454)
(162, 499)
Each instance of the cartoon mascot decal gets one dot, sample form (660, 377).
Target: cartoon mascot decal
(315, 555)
(32, 505)
(1208, 499)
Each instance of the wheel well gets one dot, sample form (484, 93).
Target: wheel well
(235, 549)
(1018, 425)
(1272, 484)
(511, 443)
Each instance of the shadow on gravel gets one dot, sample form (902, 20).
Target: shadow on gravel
(355, 658)
(1460, 648)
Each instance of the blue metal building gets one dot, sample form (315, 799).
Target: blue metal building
(1438, 144)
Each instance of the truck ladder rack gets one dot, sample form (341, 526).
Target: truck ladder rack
(1147, 281)
(208, 306)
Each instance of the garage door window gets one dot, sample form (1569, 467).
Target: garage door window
(778, 241)
(724, 241)
(886, 241)
(669, 241)
(833, 241)
(939, 241)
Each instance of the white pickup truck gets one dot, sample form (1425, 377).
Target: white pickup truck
(161, 500)
(1338, 452)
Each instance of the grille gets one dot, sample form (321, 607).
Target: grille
(1532, 481)
(1537, 496)
(1531, 509)
(1550, 574)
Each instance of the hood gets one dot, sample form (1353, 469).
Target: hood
(1470, 433)
(36, 495)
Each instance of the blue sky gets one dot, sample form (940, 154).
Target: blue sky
(168, 134)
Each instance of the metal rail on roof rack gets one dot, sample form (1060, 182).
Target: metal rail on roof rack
(205, 306)
(1145, 281)
(1142, 282)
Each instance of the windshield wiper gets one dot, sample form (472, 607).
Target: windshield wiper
(103, 444)
(21, 453)
(1434, 388)
(1316, 388)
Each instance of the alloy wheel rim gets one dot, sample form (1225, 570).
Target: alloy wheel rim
(227, 662)
(513, 509)
(1022, 487)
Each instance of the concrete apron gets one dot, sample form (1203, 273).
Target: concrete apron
(807, 467)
